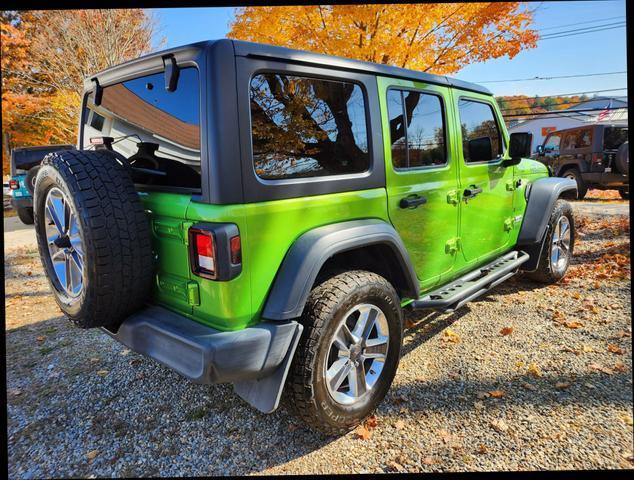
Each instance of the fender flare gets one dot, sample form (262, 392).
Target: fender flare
(311, 250)
(542, 196)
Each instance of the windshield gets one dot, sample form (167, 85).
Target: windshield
(613, 137)
(152, 127)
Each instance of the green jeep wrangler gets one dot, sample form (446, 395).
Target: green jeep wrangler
(261, 216)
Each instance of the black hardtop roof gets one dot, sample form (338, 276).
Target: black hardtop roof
(272, 52)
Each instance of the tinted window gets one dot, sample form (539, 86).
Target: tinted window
(306, 127)
(570, 140)
(481, 139)
(424, 132)
(614, 137)
(142, 110)
(585, 138)
(97, 121)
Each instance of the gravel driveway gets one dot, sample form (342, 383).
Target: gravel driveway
(526, 377)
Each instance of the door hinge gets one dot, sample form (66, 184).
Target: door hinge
(452, 197)
(193, 294)
(452, 245)
(510, 185)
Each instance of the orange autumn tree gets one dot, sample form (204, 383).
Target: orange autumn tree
(437, 38)
(45, 57)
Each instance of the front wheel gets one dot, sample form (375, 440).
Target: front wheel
(560, 240)
(349, 352)
(582, 188)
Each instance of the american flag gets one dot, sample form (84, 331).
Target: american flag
(605, 112)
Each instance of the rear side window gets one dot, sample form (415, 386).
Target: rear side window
(417, 131)
(571, 140)
(307, 127)
(481, 138)
(167, 124)
(614, 137)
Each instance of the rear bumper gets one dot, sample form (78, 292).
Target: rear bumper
(203, 354)
(18, 202)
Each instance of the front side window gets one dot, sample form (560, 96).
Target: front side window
(306, 127)
(417, 131)
(481, 138)
(552, 143)
(152, 127)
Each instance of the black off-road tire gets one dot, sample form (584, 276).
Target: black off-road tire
(622, 160)
(582, 187)
(115, 235)
(625, 193)
(545, 272)
(29, 180)
(26, 215)
(306, 392)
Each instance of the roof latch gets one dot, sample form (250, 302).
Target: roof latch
(171, 73)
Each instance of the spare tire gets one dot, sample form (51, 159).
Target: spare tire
(622, 160)
(93, 237)
(29, 180)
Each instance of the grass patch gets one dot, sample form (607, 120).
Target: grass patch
(46, 350)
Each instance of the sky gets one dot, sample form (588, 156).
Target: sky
(597, 52)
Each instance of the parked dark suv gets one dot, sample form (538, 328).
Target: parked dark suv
(595, 156)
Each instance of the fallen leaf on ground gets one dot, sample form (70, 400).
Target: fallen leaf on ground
(362, 432)
(396, 466)
(562, 385)
(40, 338)
(478, 405)
(497, 393)
(450, 336)
(444, 435)
(292, 427)
(371, 422)
(15, 392)
(529, 386)
(627, 419)
(573, 325)
(94, 360)
(92, 454)
(482, 449)
(499, 426)
(600, 368)
(428, 461)
(615, 349)
(506, 331)
(482, 395)
(534, 370)
(399, 425)
(587, 349)
(102, 373)
(619, 367)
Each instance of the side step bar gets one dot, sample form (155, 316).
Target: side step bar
(455, 294)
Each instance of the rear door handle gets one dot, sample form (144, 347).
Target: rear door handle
(471, 192)
(412, 201)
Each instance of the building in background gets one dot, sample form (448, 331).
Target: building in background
(609, 111)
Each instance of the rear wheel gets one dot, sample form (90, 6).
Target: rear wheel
(26, 215)
(93, 237)
(574, 174)
(625, 193)
(349, 352)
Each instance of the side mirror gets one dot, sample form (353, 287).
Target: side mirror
(519, 147)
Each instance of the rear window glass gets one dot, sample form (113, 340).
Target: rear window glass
(614, 137)
(152, 127)
(307, 127)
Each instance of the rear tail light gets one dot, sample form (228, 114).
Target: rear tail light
(215, 250)
(202, 253)
(236, 250)
(13, 185)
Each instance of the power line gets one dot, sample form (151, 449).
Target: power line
(558, 112)
(580, 23)
(582, 29)
(581, 33)
(548, 111)
(553, 78)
